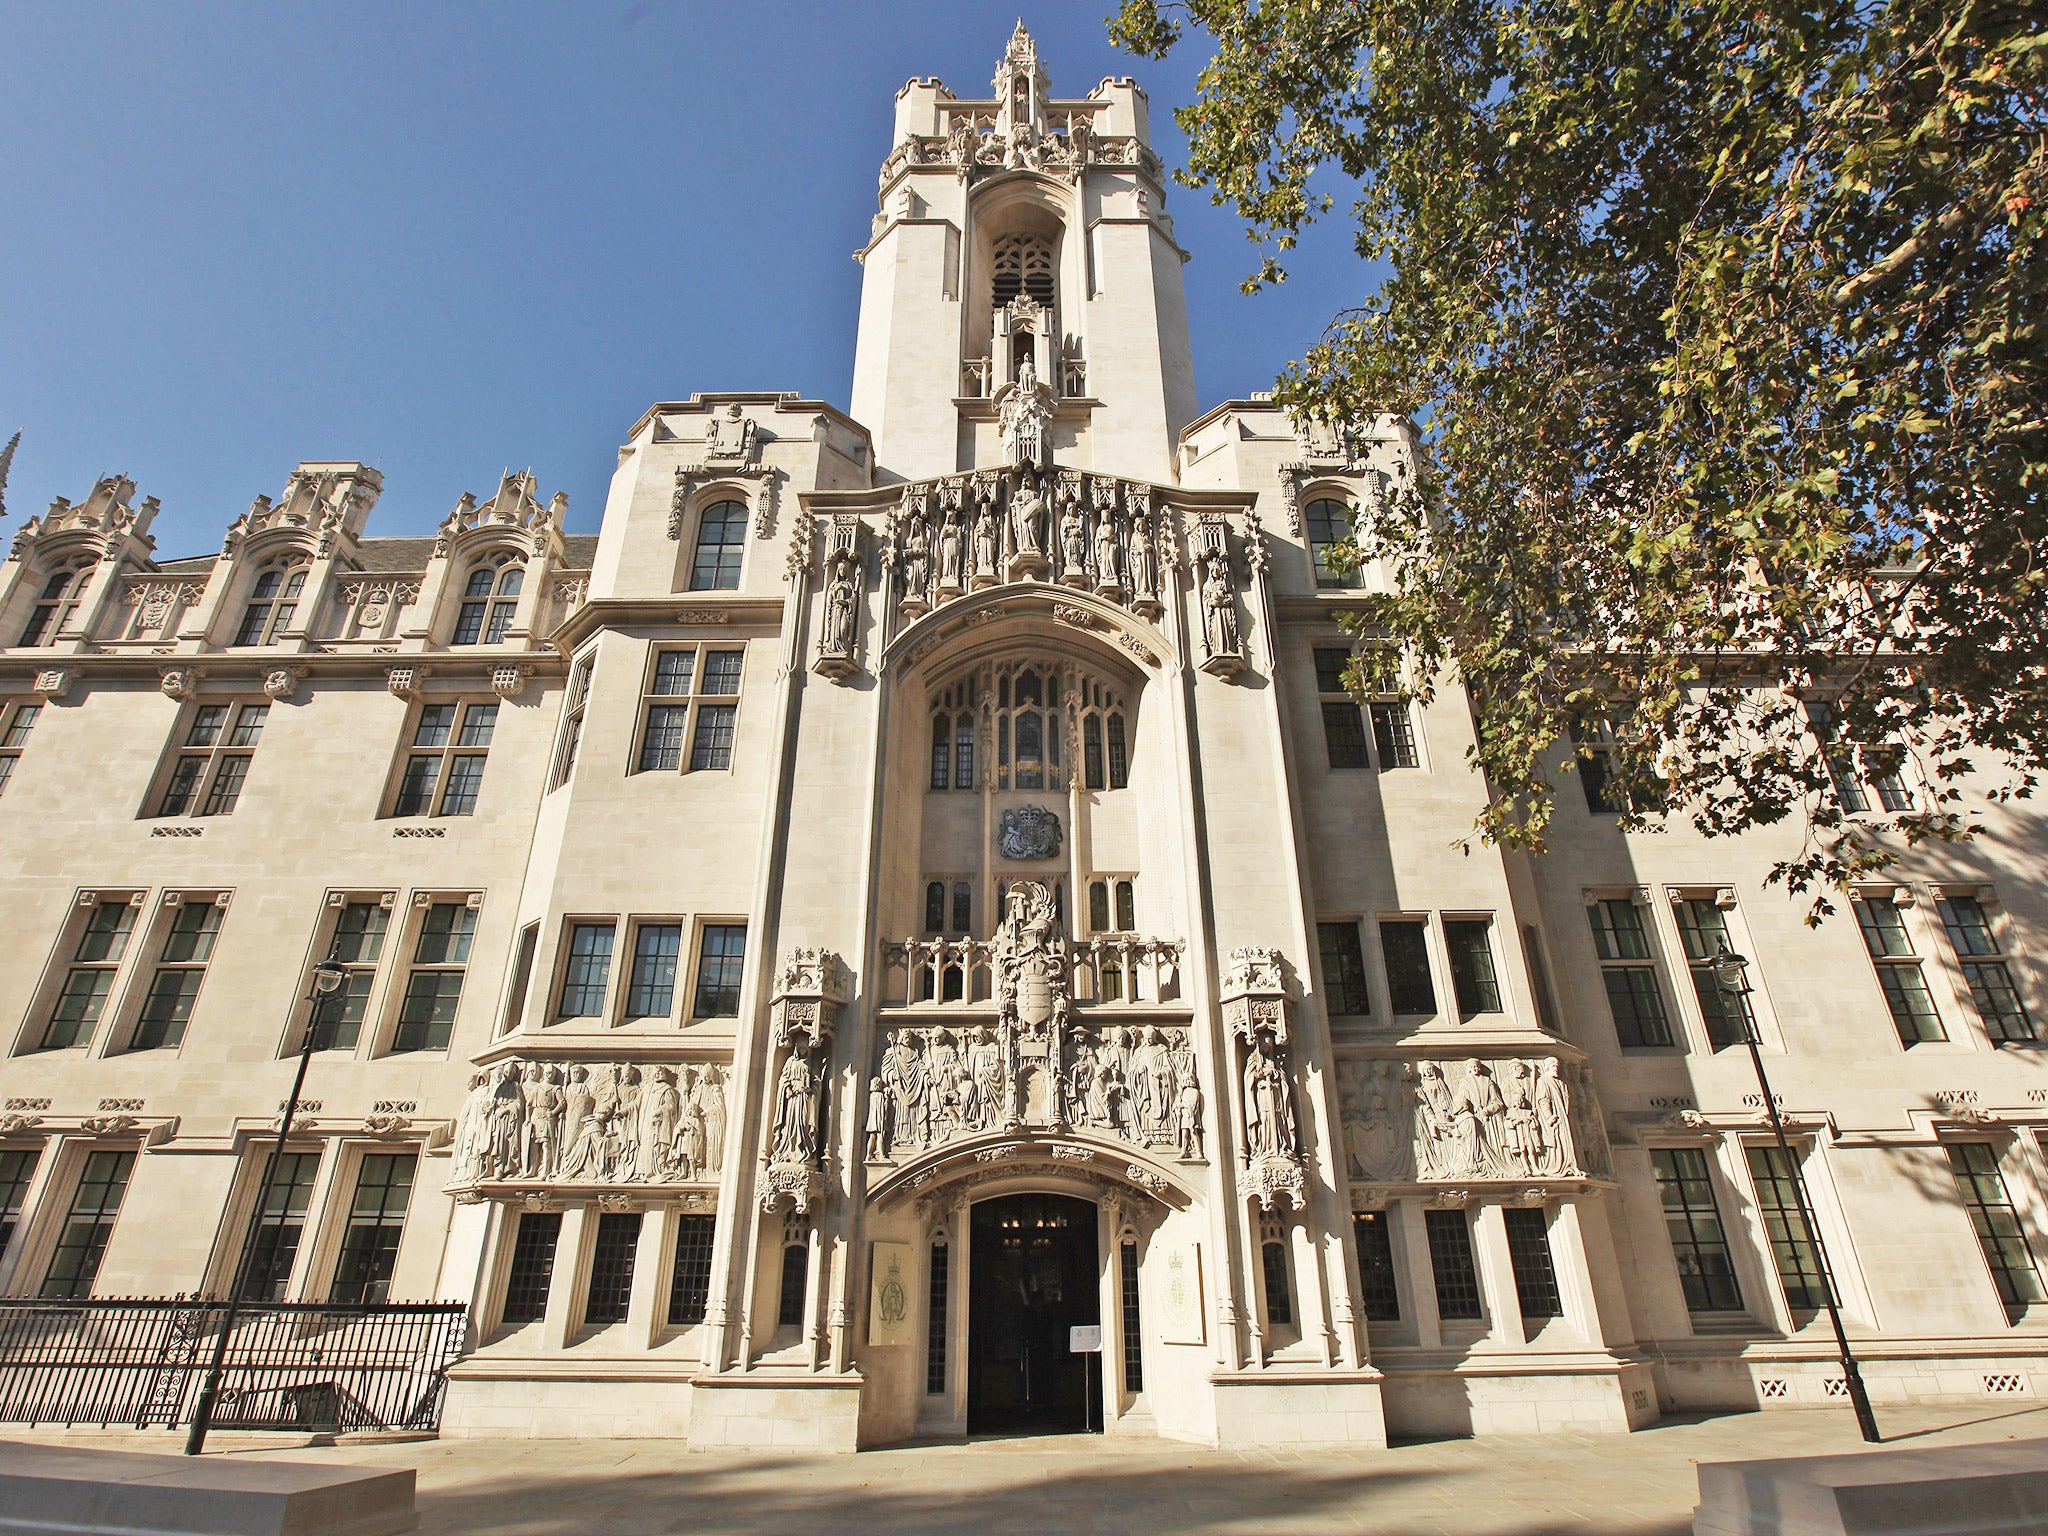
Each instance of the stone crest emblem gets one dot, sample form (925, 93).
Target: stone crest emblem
(1029, 832)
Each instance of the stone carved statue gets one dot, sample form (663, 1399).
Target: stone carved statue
(1073, 544)
(591, 1123)
(795, 1135)
(1024, 414)
(1144, 563)
(1107, 576)
(1219, 605)
(1269, 1123)
(842, 604)
(1027, 519)
(917, 561)
(988, 539)
(952, 552)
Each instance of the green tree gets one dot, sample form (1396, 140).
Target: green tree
(1722, 326)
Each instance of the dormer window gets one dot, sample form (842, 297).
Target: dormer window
(54, 608)
(489, 601)
(272, 602)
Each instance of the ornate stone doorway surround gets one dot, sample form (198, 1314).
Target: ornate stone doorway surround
(1131, 1193)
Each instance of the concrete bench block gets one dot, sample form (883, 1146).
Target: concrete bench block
(1960, 1490)
(50, 1490)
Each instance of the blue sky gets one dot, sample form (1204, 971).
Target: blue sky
(448, 238)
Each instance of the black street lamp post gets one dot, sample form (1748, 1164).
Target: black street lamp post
(1731, 976)
(327, 976)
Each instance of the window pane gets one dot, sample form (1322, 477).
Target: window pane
(427, 1018)
(1969, 929)
(1706, 1270)
(465, 778)
(1119, 754)
(192, 933)
(479, 723)
(533, 1265)
(1452, 1266)
(713, 747)
(78, 1008)
(1343, 967)
(226, 787)
(359, 933)
(1529, 1254)
(167, 1008)
(1344, 734)
(719, 957)
(255, 618)
(796, 1267)
(1996, 1223)
(1998, 1000)
(942, 751)
(481, 582)
(338, 1021)
(963, 753)
(500, 623)
(721, 536)
(1382, 1297)
(1393, 732)
(249, 725)
(183, 784)
(207, 721)
(935, 906)
(369, 1244)
(1405, 950)
(1279, 1298)
(17, 1168)
(937, 1286)
(445, 934)
(1126, 907)
(963, 907)
(689, 1290)
(1702, 927)
(661, 745)
(436, 721)
(611, 1268)
(88, 1224)
(586, 970)
(1330, 664)
(1091, 752)
(1472, 975)
(1912, 1008)
(106, 932)
(672, 671)
(1638, 1006)
(280, 1218)
(1884, 928)
(1329, 523)
(416, 788)
(25, 717)
(1618, 931)
(469, 623)
(651, 993)
(1778, 1197)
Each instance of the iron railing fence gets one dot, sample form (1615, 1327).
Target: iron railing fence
(290, 1365)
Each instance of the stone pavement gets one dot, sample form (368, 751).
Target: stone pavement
(1600, 1485)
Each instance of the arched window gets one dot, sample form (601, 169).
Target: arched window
(1098, 906)
(1091, 750)
(1126, 908)
(1279, 1296)
(54, 608)
(272, 602)
(935, 907)
(1112, 897)
(963, 907)
(1119, 753)
(489, 602)
(1329, 524)
(942, 738)
(721, 538)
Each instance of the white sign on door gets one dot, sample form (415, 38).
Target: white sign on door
(1086, 1340)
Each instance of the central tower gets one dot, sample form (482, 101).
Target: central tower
(1022, 295)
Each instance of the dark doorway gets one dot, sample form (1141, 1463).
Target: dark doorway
(1034, 1277)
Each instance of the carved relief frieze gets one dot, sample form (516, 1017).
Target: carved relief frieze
(589, 1123)
(1502, 1118)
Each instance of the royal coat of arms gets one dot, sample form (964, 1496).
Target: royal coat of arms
(1029, 832)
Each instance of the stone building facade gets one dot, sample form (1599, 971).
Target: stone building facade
(913, 885)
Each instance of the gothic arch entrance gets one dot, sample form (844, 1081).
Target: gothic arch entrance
(1035, 1274)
